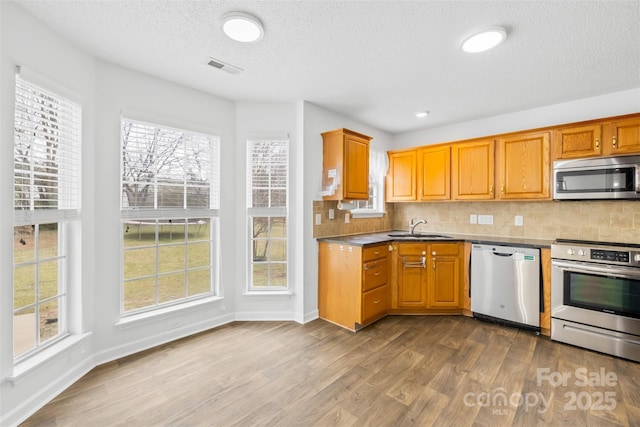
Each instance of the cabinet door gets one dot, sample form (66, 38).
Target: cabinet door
(411, 276)
(444, 277)
(340, 283)
(401, 178)
(472, 170)
(356, 173)
(625, 137)
(434, 179)
(578, 141)
(524, 166)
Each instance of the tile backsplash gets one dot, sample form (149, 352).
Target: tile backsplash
(613, 221)
(338, 227)
(610, 221)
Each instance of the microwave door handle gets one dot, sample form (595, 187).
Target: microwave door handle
(637, 168)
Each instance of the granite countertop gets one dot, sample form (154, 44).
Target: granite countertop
(368, 239)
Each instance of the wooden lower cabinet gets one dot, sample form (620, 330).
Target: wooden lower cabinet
(353, 281)
(427, 278)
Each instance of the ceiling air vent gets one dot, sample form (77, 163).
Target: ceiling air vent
(221, 65)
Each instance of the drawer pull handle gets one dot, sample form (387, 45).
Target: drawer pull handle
(376, 253)
(415, 264)
(377, 301)
(377, 273)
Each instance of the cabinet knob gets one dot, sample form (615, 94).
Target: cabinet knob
(434, 253)
(424, 252)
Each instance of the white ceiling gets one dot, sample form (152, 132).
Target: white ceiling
(375, 61)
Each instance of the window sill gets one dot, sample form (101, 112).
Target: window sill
(23, 368)
(128, 321)
(267, 293)
(366, 214)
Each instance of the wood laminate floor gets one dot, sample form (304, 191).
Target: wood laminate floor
(403, 370)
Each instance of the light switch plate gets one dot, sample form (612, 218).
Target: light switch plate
(318, 219)
(347, 218)
(519, 220)
(332, 213)
(485, 219)
(473, 219)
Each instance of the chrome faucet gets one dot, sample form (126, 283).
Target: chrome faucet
(413, 224)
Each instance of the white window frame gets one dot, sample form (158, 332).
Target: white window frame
(62, 134)
(374, 207)
(267, 212)
(164, 219)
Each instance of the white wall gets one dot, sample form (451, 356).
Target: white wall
(28, 43)
(613, 104)
(255, 119)
(315, 121)
(120, 89)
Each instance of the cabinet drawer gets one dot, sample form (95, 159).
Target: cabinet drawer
(374, 252)
(375, 303)
(375, 273)
(445, 248)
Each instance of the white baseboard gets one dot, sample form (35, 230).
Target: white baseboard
(265, 316)
(20, 413)
(313, 315)
(159, 339)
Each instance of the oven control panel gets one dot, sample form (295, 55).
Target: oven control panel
(615, 256)
(611, 253)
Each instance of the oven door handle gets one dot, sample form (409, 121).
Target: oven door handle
(616, 271)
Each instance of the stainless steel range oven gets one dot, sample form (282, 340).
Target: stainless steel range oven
(595, 296)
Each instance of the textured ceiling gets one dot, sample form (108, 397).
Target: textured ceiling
(374, 61)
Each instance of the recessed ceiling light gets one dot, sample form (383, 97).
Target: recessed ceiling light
(242, 27)
(421, 114)
(484, 40)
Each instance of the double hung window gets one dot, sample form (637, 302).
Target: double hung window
(374, 206)
(170, 200)
(267, 212)
(47, 134)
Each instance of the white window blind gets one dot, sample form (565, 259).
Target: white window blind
(267, 174)
(46, 155)
(168, 170)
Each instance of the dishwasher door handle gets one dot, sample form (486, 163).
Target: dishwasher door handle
(502, 254)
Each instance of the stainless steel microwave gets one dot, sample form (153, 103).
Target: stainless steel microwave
(597, 178)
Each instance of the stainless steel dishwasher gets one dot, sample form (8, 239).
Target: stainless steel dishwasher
(505, 284)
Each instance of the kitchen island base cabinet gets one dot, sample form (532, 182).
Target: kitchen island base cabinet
(353, 286)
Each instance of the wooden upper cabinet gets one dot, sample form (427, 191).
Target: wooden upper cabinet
(401, 177)
(345, 163)
(578, 141)
(472, 170)
(624, 137)
(434, 173)
(599, 138)
(523, 166)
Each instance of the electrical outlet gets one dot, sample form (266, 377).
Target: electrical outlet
(318, 219)
(473, 219)
(332, 213)
(346, 218)
(485, 219)
(519, 220)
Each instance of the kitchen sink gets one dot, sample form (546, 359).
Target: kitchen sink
(419, 235)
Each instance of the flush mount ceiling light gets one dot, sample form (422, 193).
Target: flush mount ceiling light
(484, 40)
(242, 27)
(421, 114)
